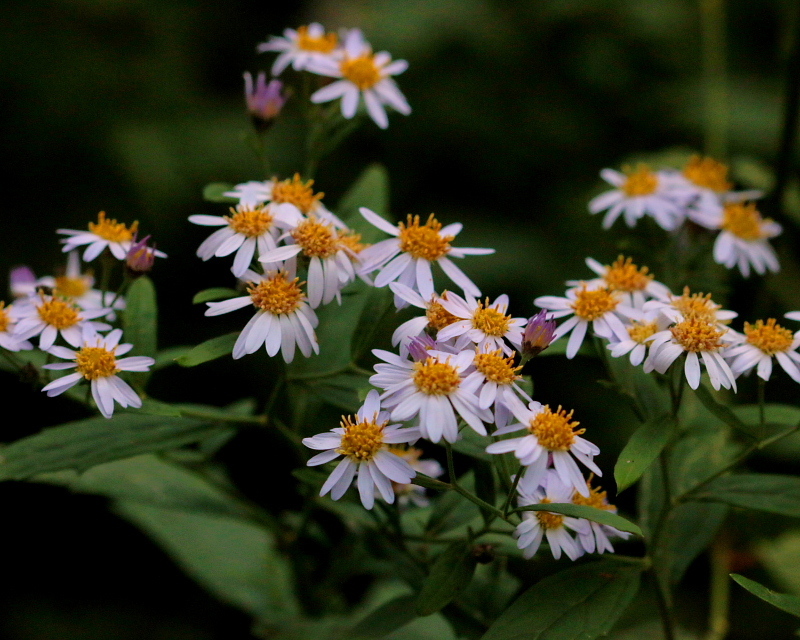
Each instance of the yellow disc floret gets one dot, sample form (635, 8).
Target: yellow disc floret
(250, 222)
(624, 275)
(361, 440)
(424, 241)
(316, 239)
(496, 368)
(322, 44)
(640, 181)
(296, 192)
(112, 230)
(548, 519)
(696, 334)
(768, 336)
(743, 220)
(351, 242)
(72, 287)
(361, 71)
(277, 294)
(591, 304)
(96, 362)
(439, 317)
(696, 305)
(555, 431)
(641, 332)
(489, 320)
(707, 173)
(597, 498)
(5, 319)
(58, 313)
(436, 378)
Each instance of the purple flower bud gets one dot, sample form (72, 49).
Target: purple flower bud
(264, 101)
(418, 347)
(140, 257)
(22, 281)
(538, 335)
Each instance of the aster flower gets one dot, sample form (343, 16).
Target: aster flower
(640, 334)
(8, 320)
(408, 256)
(264, 101)
(283, 318)
(638, 192)
(759, 343)
(105, 233)
(498, 377)
(537, 525)
(596, 306)
(363, 75)
(635, 283)
(300, 47)
(48, 316)
(595, 537)
(96, 360)
(483, 323)
(364, 442)
(551, 435)
(412, 493)
(434, 389)
(436, 316)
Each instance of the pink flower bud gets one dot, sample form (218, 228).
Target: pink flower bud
(264, 101)
(538, 335)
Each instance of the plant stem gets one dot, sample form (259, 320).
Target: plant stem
(718, 624)
(713, 45)
(761, 408)
(469, 496)
(512, 491)
(218, 417)
(664, 608)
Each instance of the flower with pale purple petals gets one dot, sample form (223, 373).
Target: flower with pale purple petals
(264, 101)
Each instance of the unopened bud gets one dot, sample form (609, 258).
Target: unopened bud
(22, 281)
(418, 347)
(140, 257)
(264, 101)
(539, 333)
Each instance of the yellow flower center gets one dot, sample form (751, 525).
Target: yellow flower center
(96, 362)
(361, 71)
(316, 239)
(352, 242)
(640, 181)
(436, 378)
(496, 368)
(641, 332)
(296, 192)
(595, 303)
(768, 336)
(597, 498)
(623, 275)
(743, 220)
(555, 431)
(439, 317)
(424, 241)
(361, 440)
(112, 230)
(323, 44)
(5, 319)
(696, 334)
(547, 519)
(250, 222)
(696, 305)
(708, 173)
(277, 294)
(72, 287)
(490, 321)
(58, 313)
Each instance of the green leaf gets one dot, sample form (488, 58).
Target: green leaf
(379, 303)
(588, 513)
(776, 414)
(783, 601)
(340, 390)
(383, 620)
(83, 444)
(642, 449)
(215, 293)
(168, 357)
(140, 321)
(450, 574)
(213, 192)
(762, 492)
(370, 190)
(719, 410)
(209, 350)
(580, 603)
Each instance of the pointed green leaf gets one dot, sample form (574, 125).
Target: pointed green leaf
(642, 449)
(588, 513)
(213, 192)
(140, 321)
(762, 492)
(720, 410)
(783, 601)
(215, 293)
(582, 602)
(209, 350)
(450, 574)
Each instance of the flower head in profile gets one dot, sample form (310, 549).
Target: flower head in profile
(759, 344)
(299, 47)
(539, 334)
(409, 255)
(364, 441)
(117, 237)
(635, 283)
(97, 361)
(595, 537)
(264, 101)
(412, 493)
(362, 75)
(678, 308)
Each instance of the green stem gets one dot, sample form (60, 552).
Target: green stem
(469, 496)
(664, 608)
(713, 44)
(718, 624)
(216, 417)
(512, 491)
(762, 422)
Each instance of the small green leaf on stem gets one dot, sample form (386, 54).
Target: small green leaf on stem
(449, 575)
(783, 601)
(589, 513)
(209, 350)
(642, 449)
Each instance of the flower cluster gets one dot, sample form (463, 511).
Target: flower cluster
(700, 193)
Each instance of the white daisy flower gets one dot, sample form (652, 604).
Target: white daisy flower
(300, 47)
(96, 361)
(8, 321)
(638, 192)
(596, 306)
(434, 389)
(436, 316)
(483, 323)
(408, 256)
(283, 318)
(498, 377)
(595, 537)
(759, 343)
(537, 525)
(634, 282)
(364, 442)
(47, 316)
(413, 493)
(551, 434)
(115, 236)
(363, 74)
(699, 338)
(688, 304)
(640, 332)
(252, 193)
